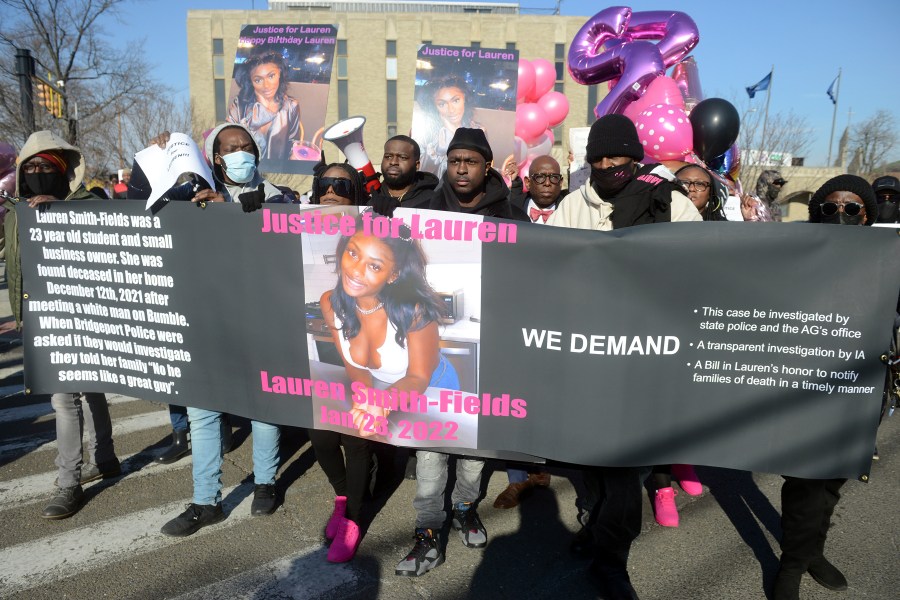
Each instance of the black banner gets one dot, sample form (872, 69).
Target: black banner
(746, 345)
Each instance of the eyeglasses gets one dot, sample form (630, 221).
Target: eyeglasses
(779, 182)
(342, 187)
(39, 167)
(851, 209)
(883, 197)
(542, 177)
(696, 185)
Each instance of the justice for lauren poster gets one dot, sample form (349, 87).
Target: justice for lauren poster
(653, 345)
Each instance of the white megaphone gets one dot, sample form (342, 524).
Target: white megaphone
(347, 136)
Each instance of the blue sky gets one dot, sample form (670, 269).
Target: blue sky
(807, 41)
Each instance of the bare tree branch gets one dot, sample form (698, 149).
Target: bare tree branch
(871, 142)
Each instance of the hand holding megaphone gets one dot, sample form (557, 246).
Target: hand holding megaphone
(347, 136)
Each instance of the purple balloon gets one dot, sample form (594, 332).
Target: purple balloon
(7, 156)
(628, 58)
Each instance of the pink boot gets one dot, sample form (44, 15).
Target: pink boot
(340, 509)
(687, 479)
(343, 548)
(664, 507)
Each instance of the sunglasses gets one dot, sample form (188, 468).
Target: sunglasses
(342, 187)
(851, 209)
(542, 177)
(779, 182)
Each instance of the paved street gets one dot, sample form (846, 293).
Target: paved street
(725, 547)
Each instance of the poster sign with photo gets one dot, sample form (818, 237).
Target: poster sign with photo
(279, 91)
(464, 87)
(690, 343)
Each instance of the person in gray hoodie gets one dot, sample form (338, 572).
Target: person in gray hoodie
(52, 170)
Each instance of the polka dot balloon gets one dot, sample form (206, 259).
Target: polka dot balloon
(665, 132)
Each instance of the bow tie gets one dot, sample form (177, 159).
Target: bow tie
(534, 213)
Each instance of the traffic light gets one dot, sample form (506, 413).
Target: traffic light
(49, 98)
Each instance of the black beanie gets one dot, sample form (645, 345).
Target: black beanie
(613, 135)
(471, 139)
(844, 183)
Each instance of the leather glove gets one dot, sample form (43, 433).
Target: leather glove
(251, 201)
(384, 204)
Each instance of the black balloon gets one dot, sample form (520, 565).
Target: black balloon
(716, 125)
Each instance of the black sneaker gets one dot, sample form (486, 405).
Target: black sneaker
(92, 472)
(264, 500)
(65, 503)
(424, 556)
(193, 519)
(467, 523)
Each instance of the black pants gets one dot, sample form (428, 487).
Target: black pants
(615, 520)
(347, 471)
(806, 509)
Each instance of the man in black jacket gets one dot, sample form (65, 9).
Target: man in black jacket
(470, 184)
(404, 183)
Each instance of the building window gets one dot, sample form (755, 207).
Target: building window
(591, 103)
(343, 84)
(510, 45)
(390, 50)
(392, 101)
(426, 42)
(219, 85)
(391, 130)
(218, 60)
(476, 45)
(343, 103)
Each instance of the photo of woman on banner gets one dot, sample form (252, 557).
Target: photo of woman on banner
(279, 92)
(263, 105)
(384, 318)
(458, 87)
(447, 104)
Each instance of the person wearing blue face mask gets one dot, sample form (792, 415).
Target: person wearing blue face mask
(234, 157)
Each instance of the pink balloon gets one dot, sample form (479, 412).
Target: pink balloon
(556, 105)
(524, 168)
(525, 86)
(544, 77)
(531, 121)
(665, 132)
(662, 90)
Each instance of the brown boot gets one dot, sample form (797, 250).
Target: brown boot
(509, 498)
(540, 479)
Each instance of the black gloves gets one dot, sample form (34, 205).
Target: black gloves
(251, 201)
(384, 204)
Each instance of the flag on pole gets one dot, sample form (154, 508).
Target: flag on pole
(830, 91)
(761, 86)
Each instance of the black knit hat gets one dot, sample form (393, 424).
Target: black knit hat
(613, 135)
(888, 182)
(471, 139)
(844, 183)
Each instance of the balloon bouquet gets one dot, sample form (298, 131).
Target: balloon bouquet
(675, 124)
(7, 175)
(538, 110)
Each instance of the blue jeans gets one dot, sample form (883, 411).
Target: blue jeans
(444, 375)
(206, 447)
(179, 418)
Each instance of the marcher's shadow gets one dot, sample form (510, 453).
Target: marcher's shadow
(746, 507)
(533, 562)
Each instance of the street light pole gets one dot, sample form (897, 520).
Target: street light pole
(24, 72)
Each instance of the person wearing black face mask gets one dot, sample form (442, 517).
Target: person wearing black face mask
(887, 192)
(51, 170)
(621, 192)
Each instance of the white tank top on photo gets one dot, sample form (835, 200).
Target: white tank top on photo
(394, 359)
